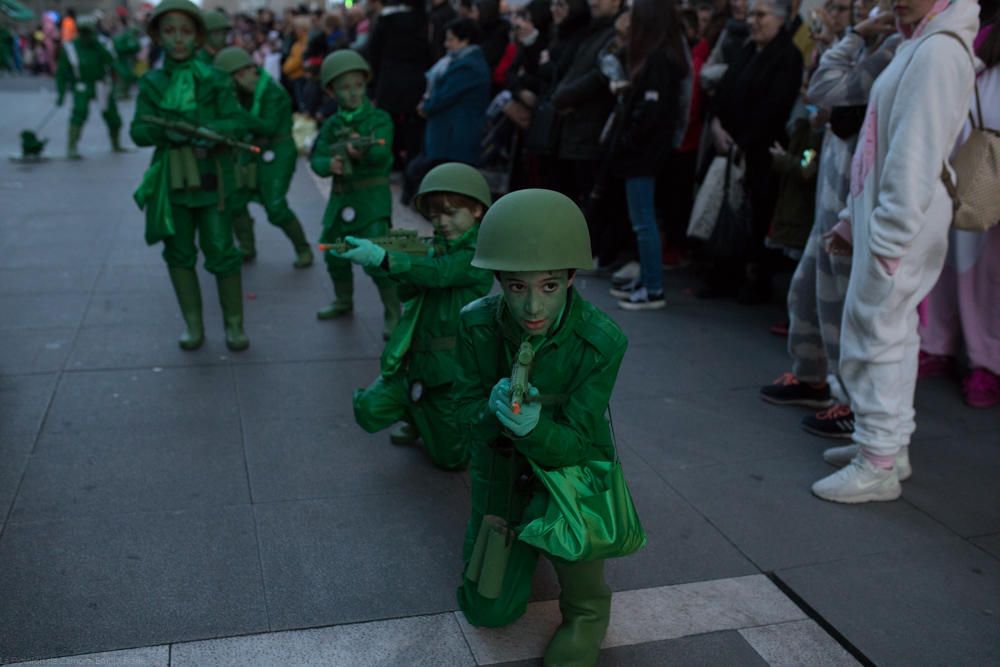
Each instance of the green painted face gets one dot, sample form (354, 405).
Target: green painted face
(349, 89)
(178, 35)
(452, 223)
(246, 79)
(216, 40)
(536, 298)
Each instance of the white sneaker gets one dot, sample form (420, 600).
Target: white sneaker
(641, 299)
(841, 456)
(859, 482)
(625, 274)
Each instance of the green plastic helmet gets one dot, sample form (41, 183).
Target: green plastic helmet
(183, 6)
(340, 62)
(214, 20)
(232, 59)
(533, 230)
(454, 177)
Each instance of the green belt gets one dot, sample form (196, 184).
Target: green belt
(442, 344)
(363, 184)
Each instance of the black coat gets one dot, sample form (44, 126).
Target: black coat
(399, 54)
(562, 51)
(582, 96)
(441, 15)
(494, 42)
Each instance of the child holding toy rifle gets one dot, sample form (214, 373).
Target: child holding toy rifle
(537, 365)
(418, 364)
(354, 146)
(265, 177)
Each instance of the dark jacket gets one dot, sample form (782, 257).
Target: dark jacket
(441, 15)
(523, 73)
(494, 42)
(650, 117)
(583, 97)
(456, 110)
(562, 51)
(399, 54)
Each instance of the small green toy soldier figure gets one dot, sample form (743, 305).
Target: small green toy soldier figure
(264, 177)
(188, 111)
(126, 45)
(355, 147)
(418, 364)
(533, 241)
(85, 69)
(217, 28)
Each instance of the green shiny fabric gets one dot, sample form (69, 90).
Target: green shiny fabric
(153, 197)
(180, 94)
(590, 514)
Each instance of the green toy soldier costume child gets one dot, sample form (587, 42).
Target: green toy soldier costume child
(418, 364)
(534, 240)
(127, 47)
(85, 69)
(264, 177)
(355, 147)
(187, 110)
(217, 28)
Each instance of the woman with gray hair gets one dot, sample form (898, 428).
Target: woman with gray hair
(751, 108)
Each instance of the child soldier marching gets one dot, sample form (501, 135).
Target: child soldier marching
(84, 68)
(533, 241)
(188, 111)
(264, 177)
(418, 364)
(355, 147)
(217, 29)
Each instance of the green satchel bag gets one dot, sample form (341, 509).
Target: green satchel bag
(590, 514)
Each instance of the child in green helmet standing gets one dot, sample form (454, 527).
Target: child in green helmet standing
(264, 178)
(217, 29)
(360, 200)
(418, 364)
(533, 241)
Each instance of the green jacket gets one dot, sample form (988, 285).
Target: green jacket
(574, 370)
(94, 62)
(270, 117)
(366, 192)
(442, 284)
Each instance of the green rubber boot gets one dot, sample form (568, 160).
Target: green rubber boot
(404, 434)
(391, 309)
(303, 253)
(74, 138)
(585, 603)
(243, 231)
(185, 282)
(343, 302)
(231, 299)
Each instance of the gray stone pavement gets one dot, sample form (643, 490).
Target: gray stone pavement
(160, 507)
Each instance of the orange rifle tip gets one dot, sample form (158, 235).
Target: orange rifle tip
(255, 149)
(516, 407)
(324, 246)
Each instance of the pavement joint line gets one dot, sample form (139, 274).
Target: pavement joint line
(228, 361)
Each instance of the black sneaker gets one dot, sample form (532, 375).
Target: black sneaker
(641, 299)
(787, 390)
(837, 422)
(626, 290)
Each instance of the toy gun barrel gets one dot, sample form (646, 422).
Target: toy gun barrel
(519, 376)
(397, 240)
(200, 133)
(339, 148)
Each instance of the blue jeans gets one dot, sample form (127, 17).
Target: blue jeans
(640, 193)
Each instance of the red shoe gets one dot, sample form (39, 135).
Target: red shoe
(935, 365)
(981, 389)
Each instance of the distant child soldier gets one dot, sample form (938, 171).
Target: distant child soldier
(533, 241)
(265, 177)
(85, 69)
(217, 29)
(418, 364)
(184, 190)
(355, 147)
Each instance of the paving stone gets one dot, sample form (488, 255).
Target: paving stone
(127, 309)
(53, 253)
(936, 605)
(35, 350)
(362, 558)
(797, 643)
(14, 451)
(41, 311)
(104, 473)
(24, 400)
(171, 401)
(61, 280)
(674, 375)
(147, 346)
(151, 656)
(990, 543)
(428, 641)
(129, 580)
(709, 650)
(766, 509)
(941, 411)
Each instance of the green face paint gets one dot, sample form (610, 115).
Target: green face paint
(246, 79)
(536, 298)
(216, 40)
(178, 35)
(452, 223)
(349, 89)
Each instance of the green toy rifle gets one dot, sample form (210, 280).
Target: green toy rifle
(199, 133)
(339, 149)
(519, 376)
(397, 240)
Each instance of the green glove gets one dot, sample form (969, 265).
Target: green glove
(526, 420)
(364, 252)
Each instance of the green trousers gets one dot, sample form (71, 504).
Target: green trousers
(387, 401)
(81, 109)
(340, 269)
(214, 236)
